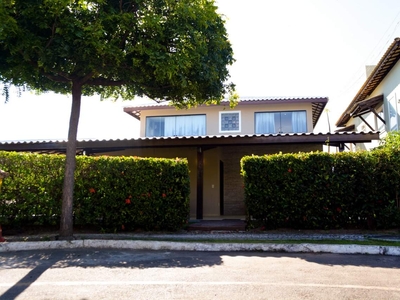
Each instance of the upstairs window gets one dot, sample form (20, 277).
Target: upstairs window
(229, 121)
(281, 122)
(190, 125)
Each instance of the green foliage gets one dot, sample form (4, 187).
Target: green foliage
(165, 49)
(323, 191)
(111, 193)
(391, 141)
(32, 192)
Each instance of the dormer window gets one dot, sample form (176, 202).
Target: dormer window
(229, 121)
(189, 125)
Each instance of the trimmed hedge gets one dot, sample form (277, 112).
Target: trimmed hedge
(323, 191)
(111, 193)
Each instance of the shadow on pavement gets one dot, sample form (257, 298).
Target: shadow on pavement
(141, 259)
(25, 282)
(88, 258)
(41, 260)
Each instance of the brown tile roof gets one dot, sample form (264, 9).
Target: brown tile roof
(386, 63)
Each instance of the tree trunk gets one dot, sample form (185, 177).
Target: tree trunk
(66, 223)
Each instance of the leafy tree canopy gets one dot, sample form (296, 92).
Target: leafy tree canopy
(174, 50)
(165, 49)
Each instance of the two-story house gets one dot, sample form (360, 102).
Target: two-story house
(376, 105)
(221, 136)
(214, 138)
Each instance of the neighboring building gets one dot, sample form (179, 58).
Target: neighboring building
(376, 105)
(214, 138)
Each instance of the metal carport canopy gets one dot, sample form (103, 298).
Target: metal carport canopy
(98, 146)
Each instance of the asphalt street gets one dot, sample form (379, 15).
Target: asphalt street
(143, 274)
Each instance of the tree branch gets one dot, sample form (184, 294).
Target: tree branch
(86, 78)
(65, 75)
(105, 82)
(53, 31)
(56, 78)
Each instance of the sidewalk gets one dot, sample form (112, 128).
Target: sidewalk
(215, 241)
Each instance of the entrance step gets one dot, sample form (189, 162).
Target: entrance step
(217, 225)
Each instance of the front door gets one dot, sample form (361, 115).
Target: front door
(211, 184)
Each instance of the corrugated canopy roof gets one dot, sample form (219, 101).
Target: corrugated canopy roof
(365, 106)
(101, 146)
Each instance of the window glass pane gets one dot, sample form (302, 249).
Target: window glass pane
(154, 126)
(230, 122)
(265, 122)
(170, 126)
(176, 125)
(281, 122)
(193, 125)
(286, 122)
(299, 122)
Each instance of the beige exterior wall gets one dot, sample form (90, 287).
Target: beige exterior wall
(213, 114)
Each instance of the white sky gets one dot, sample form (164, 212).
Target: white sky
(293, 48)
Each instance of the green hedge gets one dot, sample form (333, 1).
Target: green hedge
(112, 193)
(323, 191)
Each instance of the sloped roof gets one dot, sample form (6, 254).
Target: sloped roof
(318, 104)
(101, 146)
(386, 63)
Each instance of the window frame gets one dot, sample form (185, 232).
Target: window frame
(173, 116)
(230, 112)
(280, 112)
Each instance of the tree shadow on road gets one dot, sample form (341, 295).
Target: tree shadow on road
(41, 260)
(19, 287)
(141, 259)
(38, 261)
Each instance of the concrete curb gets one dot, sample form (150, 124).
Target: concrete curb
(198, 246)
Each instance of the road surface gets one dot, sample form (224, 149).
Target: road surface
(132, 274)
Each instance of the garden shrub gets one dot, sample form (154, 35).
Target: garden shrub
(111, 193)
(323, 191)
